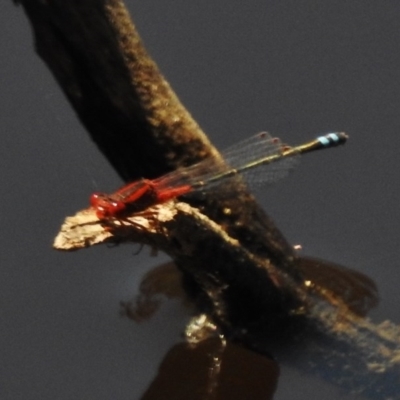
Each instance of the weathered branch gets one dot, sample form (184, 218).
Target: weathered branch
(231, 277)
(131, 113)
(128, 108)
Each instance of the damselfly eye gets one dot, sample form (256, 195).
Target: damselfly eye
(106, 206)
(113, 207)
(94, 199)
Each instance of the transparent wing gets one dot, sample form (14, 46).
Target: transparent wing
(257, 148)
(250, 158)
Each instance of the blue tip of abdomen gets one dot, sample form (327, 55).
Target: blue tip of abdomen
(333, 139)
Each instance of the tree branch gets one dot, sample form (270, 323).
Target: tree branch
(128, 108)
(136, 120)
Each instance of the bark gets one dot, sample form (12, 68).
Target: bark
(232, 256)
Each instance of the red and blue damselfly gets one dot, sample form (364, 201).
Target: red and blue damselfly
(260, 159)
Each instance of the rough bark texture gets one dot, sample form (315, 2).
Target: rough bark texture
(130, 111)
(136, 120)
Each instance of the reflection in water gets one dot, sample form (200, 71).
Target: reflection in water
(213, 370)
(340, 286)
(335, 342)
(162, 281)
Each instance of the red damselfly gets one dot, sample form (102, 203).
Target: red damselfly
(260, 159)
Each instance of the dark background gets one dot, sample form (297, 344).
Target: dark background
(295, 68)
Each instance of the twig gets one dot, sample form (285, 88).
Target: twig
(233, 257)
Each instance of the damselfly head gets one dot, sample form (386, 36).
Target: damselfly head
(105, 206)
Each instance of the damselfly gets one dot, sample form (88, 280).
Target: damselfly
(260, 158)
